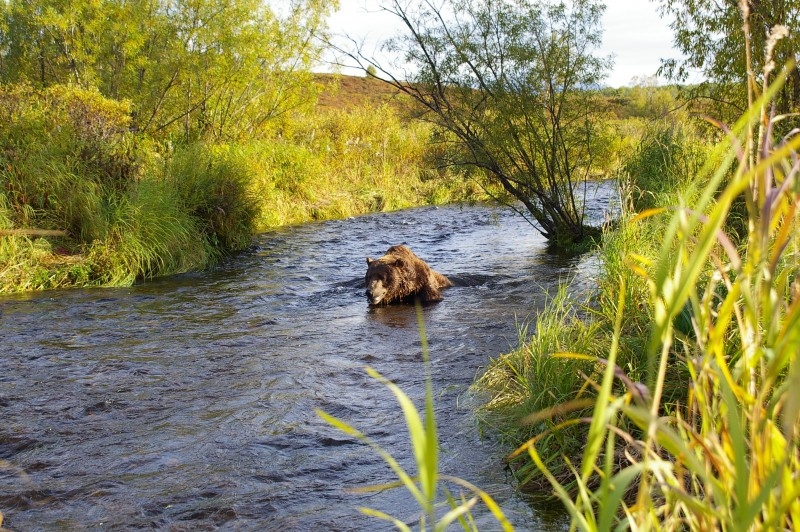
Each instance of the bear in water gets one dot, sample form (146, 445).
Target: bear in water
(400, 276)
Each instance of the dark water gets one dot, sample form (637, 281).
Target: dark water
(188, 403)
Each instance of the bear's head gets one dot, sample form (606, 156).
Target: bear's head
(382, 279)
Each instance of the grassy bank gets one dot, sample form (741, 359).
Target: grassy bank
(670, 399)
(341, 163)
(535, 393)
(84, 201)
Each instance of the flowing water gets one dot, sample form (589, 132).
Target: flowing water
(187, 403)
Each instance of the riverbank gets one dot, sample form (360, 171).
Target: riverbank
(87, 202)
(669, 398)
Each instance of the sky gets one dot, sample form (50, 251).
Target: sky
(634, 33)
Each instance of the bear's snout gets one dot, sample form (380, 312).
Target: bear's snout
(375, 292)
(373, 298)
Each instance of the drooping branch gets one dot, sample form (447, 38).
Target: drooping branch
(509, 81)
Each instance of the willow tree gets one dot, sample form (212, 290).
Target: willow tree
(709, 35)
(217, 68)
(509, 84)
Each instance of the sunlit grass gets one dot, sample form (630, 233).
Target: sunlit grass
(724, 455)
(428, 480)
(695, 423)
(130, 208)
(528, 381)
(345, 163)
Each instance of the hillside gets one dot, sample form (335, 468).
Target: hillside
(347, 92)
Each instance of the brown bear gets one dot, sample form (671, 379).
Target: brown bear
(401, 276)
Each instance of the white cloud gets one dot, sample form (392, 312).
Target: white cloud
(638, 37)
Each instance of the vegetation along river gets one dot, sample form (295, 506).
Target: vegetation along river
(188, 402)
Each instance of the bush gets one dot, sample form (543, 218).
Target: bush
(134, 209)
(668, 157)
(345, 163)
(63, 153)
(68, 162)
(213, 185)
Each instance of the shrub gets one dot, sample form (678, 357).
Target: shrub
(63, 152)
(667, 158)
(68, 162)
(133, 208)
(214, 186)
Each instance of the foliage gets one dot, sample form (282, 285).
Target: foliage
(530, 392)
(61, 152)
(709, 36)
(214, 187)
(424, 442)
(87, 202)
(696, 416)
(196, 68)
(643, 98)
(668, 158)
(506, 84)
(112, 210)
(529, 383)
(730, 457)
(722, 451)
(150, 233)
(343, 163)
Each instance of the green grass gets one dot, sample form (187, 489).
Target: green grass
(668, 156)
(345, 163)
(695, 418)
(528, 381)
(133, 208)
(428, 480)
(728, 458)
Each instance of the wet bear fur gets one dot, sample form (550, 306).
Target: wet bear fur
(400, 276)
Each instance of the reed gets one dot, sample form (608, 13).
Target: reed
(428, 481)
(726, 455)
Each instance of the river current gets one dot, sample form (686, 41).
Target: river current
(188, 403)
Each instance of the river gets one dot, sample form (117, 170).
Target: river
(187, 403)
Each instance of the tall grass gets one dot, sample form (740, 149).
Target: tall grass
(344, 163)
(428, 481)
(667, 157)
(124, 208)
(720, 452)
(151, 234)
(695, 418)
(728, 458)
(56, 152)
(212, 184)
(133, 208)
(528, 382)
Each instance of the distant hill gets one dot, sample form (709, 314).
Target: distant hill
(347, 92)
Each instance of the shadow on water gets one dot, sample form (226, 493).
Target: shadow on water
(188, 402)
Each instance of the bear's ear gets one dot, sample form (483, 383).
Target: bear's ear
(399, 263)
(369, 260)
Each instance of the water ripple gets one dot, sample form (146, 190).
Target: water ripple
(188, 402)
